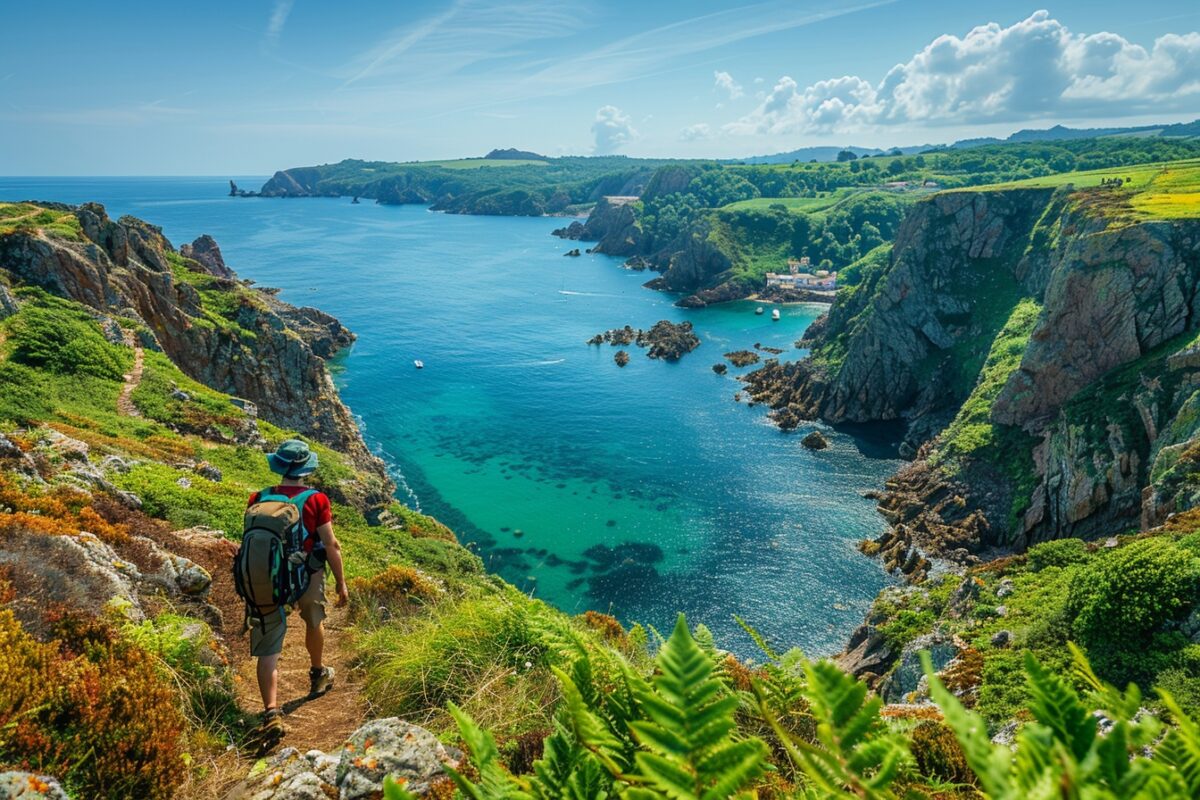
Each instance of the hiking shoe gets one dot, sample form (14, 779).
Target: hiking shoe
(320, 681)
(270, 731)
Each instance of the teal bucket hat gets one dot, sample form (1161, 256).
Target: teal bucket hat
(292, 459)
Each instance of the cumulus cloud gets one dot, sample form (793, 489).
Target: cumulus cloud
(694, 133)
(612, 130)
(1036, 67)
(725, 82)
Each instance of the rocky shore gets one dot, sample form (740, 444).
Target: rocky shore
(666, 340)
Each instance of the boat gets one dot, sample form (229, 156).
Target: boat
(419, 364)
(775, 314)
(758, 310)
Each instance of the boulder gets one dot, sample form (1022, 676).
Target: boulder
(720, 368)
(1001, 638)
(28, 786)
(906, 678)
(8, 303)
(815, 441)
(621, 357)
(379, 748)
(867, 653)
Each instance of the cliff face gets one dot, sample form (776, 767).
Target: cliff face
(258, 348)
(1039, 352)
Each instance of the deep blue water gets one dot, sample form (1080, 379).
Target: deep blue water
(641, 491)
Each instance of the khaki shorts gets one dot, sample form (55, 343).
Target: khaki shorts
(266, 637)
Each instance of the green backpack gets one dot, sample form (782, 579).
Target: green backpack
(271, 570)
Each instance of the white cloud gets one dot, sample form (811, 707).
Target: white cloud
(726, 82)
(279, 16)
(612, 129)
(693, 133)
(1034, 68)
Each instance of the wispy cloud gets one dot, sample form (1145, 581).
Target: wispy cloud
(279, 16)
(466, 33)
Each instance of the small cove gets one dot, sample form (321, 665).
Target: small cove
(640, 491)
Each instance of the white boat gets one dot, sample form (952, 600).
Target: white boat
(775, 313)
(758, 310)
(419, 364)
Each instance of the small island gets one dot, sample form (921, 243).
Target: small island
(666, 340)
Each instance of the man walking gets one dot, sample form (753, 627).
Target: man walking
(293, 461)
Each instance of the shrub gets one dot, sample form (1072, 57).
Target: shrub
(395, 587)
(1057, 553)
(103, 719)
(607, 626)
(1120, 599)
(938, 754)
(56, 336)
(58, 511)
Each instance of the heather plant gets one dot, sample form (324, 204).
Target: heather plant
(91, 708)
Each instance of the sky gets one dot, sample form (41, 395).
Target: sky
(249, 87)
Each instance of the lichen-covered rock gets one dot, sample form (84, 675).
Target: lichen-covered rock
(77, 571)
(905, 679)
(28, 786)
(376, 750)
(385, 747)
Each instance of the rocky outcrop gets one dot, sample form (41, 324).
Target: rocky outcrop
(613, 226)
(384, 747)
(1092, 415)
(127, 268)
(952, 253)
(815, 441)
(742, 358)
(297, 182)
(207, 253)
(667, 340)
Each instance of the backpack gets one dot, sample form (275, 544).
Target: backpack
(271, 569)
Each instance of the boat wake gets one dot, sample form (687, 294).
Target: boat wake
(569, 293)
(546, 363)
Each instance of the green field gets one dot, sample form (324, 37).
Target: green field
(797, 205)
(1165, 190)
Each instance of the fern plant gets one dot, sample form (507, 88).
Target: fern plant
(1062, 753)
(670, 736)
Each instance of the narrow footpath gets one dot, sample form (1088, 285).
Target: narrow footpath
(133, 378)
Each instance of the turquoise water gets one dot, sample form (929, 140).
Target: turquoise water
(640, 491)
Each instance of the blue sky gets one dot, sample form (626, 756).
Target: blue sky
(244, 88)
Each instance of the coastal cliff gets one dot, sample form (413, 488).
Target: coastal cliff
(1037, 347)
(220, 332)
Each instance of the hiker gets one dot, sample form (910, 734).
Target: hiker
(299, 518)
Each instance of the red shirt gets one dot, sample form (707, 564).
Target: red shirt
(317, 510)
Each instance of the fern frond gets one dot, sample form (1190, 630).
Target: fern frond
(1180, 749)
(990, 763)
(760, 641)
(495, 782)
(1057, 706)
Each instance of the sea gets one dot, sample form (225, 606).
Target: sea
(641, 491)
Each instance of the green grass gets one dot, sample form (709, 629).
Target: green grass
(796, 205)
(1166, 190)
(33, 219)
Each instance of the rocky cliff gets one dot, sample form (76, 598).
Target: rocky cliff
(220, 332)
(1036, 346)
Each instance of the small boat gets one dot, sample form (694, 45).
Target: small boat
(759, 311)
(419, 364)
(775, 314)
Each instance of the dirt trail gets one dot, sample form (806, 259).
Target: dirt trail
(133, 378)
(321, 723)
